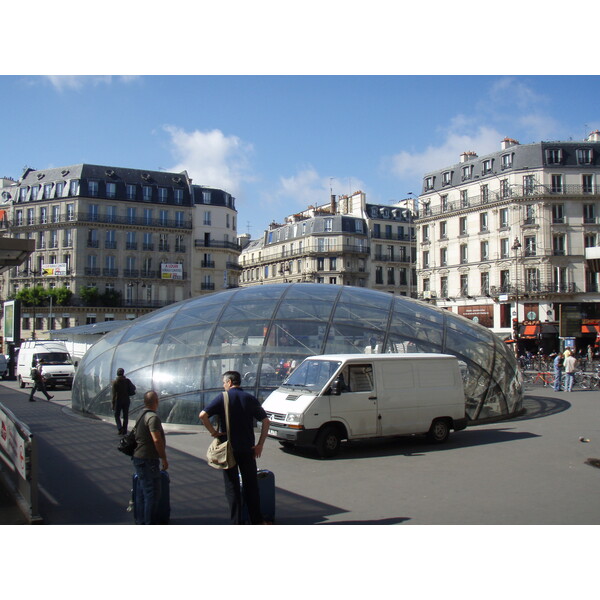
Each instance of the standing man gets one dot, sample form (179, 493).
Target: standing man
(39, 383)
(122, 389)
(150, 451)
(558, 372)
(243, 409)
(570, 366)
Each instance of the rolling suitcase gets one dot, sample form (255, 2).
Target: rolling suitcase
(164, 504)
(266, 490)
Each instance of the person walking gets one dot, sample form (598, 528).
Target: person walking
(570, 366)
(39, 383)
(122, 389)
(558, 372)
(244, 408)
(147, 458)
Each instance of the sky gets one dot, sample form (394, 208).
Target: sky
(280, 143)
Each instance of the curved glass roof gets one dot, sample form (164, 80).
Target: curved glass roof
(182, 350)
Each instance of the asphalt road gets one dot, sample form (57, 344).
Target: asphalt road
(530, 470)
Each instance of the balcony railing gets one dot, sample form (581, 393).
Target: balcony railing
(515, 192)
(107, 219)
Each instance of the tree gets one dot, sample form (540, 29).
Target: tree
(89, 295)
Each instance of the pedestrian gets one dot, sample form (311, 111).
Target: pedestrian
(39, 383)
(244, 408)
(590, 356)
(147, 458)
(570, 366)
(122, 389)
(558, 372)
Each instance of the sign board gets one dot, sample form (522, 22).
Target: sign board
(482, 314)
(54, 270)
(570, 320)
(171, 271)
(12, 321)
(12, 444)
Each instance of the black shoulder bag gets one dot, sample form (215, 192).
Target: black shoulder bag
(128, 443)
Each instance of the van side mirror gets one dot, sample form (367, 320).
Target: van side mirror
(335, 388)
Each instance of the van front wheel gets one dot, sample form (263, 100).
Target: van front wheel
(439, 431)
(328, 441)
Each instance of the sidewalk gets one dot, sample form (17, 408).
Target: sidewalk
(84, 479)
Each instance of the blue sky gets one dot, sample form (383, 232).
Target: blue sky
(280, 102)
(278, 143)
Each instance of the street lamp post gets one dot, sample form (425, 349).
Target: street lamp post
(516, 247)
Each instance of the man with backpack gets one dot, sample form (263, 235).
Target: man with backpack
(122, 390)
(39, 383)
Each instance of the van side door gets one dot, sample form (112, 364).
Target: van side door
(356, 406)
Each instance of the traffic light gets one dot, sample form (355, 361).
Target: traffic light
(515, 329)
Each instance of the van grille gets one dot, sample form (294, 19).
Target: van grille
(275, 416)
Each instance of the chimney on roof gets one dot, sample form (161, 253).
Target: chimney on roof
(466, 156)
(508, 142)
(332, 205)
(594, 136)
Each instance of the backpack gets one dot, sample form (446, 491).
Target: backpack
(130, 388)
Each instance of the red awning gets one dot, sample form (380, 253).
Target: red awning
(590, 329)
(529, 332)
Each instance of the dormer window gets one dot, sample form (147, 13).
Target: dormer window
(447, 178)
(467, 172)
(554, 156)
(584, 156)
(429, 181)
(507, 160)
(486, 166)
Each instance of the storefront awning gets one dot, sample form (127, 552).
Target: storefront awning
(590, 328)
(529, 332)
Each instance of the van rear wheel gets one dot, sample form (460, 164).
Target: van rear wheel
(328, 441)
(439, 431)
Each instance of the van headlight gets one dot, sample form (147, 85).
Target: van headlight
(294, 420)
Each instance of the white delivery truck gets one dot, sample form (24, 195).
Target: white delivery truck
(329, 398)
(58, 368)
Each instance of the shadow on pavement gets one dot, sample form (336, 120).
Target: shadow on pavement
(85, 480)
(537, 407)
(418, 445)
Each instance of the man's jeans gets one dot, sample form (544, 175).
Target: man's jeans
(149, 489)
(569, 381)
(246, 463)
(122, 406)
(557, 379)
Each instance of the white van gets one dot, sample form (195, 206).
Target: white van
(58, 367)
(329, 398)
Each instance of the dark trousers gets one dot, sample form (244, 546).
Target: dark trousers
(150, 487)
(122, 406)
(39, 386)
(246, 467)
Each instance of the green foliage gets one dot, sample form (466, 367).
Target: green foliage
(89, 296)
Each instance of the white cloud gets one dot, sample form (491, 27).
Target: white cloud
(307, 188)
(75, 83)
(482, 141)
(211, 158)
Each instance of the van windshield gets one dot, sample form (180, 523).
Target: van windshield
(53, 358)
(312, 374)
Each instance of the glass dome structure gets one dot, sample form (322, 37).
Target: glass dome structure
(182, 350)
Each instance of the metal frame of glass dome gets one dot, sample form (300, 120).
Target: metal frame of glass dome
(182, 350)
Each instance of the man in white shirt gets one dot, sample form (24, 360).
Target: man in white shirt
(570, 366)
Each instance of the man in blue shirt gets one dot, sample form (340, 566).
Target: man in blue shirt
(244, 408)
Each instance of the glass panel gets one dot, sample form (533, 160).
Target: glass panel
(186, 342)
(135, 353)
(105, 344)
(252, 309)
(349, 339)
(157, 321)
(182, 376)
(197, 313)
(297, 337)
(248, 336)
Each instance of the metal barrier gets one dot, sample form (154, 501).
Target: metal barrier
(18, 469)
